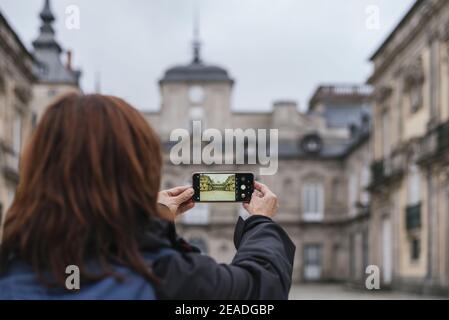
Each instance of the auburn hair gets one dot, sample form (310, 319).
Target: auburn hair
(89, 179)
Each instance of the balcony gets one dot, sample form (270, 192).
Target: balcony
(434, 144)
(387, 170)
(413, 217)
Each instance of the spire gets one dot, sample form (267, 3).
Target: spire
(46, 14)
(46, 38)
(196, 38)
(47, 51)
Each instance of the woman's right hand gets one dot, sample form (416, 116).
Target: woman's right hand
(263, 201)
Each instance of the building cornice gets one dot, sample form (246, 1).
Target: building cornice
(416, 19)
(18, 57)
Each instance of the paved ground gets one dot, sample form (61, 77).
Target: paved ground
(341, 292)
(217, 195)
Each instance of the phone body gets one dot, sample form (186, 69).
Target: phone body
(222, 186)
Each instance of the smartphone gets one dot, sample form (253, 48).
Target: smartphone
(222, 186)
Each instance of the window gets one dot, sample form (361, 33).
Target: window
(413, 185)
(313, 198)
(352, 193)
(415, 249)
(385, 134)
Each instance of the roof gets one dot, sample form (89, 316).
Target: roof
(354, 93)
(196, 71)
(402, 22)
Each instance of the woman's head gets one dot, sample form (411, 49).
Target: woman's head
(89, 179)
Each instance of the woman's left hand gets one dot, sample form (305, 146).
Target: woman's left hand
(178, 200)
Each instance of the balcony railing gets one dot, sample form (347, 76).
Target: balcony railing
(388, 169)
(434, 143)
(413, 217)
(377, 171)
(443, 137)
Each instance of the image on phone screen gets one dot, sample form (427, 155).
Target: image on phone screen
(223, 186)
(217, 187)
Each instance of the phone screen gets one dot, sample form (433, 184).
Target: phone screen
(217, 187)
(222, 187)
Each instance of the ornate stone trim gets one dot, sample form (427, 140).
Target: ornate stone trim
(413, 74)
(382, 93)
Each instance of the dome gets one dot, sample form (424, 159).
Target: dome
(196, 71)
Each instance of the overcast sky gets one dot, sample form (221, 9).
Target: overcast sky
(274, 49)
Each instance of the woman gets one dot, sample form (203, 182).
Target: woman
(88, 198)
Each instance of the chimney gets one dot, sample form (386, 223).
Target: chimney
(68, 64)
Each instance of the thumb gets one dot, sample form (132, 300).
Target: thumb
(184, 196)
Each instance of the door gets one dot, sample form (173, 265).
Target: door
(312, 262)
(387, 251)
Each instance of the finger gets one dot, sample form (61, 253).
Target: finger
(186, 206)
(184, 196)
(261, 187)
(177, 190)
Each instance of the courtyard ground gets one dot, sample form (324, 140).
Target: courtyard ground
(217, 195)
(342, 292)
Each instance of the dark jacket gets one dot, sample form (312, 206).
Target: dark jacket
(261, 269)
